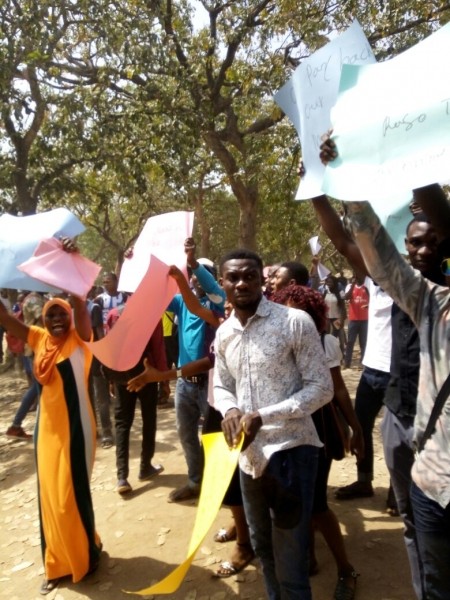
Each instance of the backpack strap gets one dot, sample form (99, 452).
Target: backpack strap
(441, 398)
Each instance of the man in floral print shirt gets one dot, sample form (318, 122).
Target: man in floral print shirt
(270, 376)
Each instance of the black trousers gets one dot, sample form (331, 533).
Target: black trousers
(124, 416)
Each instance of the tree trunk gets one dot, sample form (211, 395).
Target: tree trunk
(248, 204)
(246, 194)
(26, 203)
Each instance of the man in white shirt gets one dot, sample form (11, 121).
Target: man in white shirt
(270, 376)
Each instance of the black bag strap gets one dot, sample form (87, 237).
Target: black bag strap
(441, 398)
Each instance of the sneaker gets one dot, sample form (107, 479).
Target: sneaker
(123, 487)
(18, 432)
(149, 472)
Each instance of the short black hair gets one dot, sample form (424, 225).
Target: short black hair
(241, 254)
(297, 271)
(111, 274)
(420, 217)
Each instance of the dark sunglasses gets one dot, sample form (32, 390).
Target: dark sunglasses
(445, 266)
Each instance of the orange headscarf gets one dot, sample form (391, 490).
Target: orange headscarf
(46, 357)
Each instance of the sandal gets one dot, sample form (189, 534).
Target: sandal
(225, 535)
(345, 587)
(48, 585)
(228, 568)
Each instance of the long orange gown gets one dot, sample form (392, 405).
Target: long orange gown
(65, 450)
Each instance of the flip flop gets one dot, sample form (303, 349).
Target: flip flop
(228, 569)
(225, 535)
(48, 585)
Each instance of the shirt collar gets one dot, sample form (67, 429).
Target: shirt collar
(263, 310)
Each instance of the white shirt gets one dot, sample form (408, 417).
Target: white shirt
(274, 365)
(379, 330)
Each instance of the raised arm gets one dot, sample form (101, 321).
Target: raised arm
(208, 283)
(192, 302)
(13, 325)
(81, 316)
(332, 225)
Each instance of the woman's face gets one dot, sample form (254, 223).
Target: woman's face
(57, 321)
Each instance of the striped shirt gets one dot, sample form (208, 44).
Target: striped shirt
(428, 306)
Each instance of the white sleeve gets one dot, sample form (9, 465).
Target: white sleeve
(332, 351)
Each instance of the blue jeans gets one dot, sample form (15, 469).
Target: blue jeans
(356, 329)
(191, 403)
(283, 552)
(433, 536)
(397, 433)
(369, 400)
(30, 396)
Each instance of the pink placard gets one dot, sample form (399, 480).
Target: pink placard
(124, 344)
(162, 236)
(67, 271)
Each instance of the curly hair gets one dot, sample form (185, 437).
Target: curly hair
(311, 301)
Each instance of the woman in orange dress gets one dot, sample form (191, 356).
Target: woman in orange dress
(64, 439)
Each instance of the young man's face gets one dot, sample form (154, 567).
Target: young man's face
(281, 279)
(422, 246)
(110, 285)
(242, 282)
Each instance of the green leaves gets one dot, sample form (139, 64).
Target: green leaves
(125, 108)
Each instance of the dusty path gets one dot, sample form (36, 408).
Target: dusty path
(144, 537)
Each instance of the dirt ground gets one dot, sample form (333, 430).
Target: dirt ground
(144, 537)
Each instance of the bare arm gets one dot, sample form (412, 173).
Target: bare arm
(334, 228)
(82, 318)
(345, 404)
(150, 374)
(332, 224)
(13, 325)
(190, 299)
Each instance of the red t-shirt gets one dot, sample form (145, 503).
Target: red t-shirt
(358, 308)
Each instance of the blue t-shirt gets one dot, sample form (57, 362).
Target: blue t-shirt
(191, 329)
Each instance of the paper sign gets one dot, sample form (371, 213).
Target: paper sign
(68, 271)
(395, 216)
(220, 463)
(322, 271)
(309, 96)
(122, 347)
(392, 124)
(314, 245)
(19, 238)
(163, 236)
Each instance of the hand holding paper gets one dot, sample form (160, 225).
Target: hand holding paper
(59, 264)
(392, 124)
(19, 238)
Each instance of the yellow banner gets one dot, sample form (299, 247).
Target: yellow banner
(220, 463)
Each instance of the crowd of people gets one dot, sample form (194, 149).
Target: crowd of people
(258, 353)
